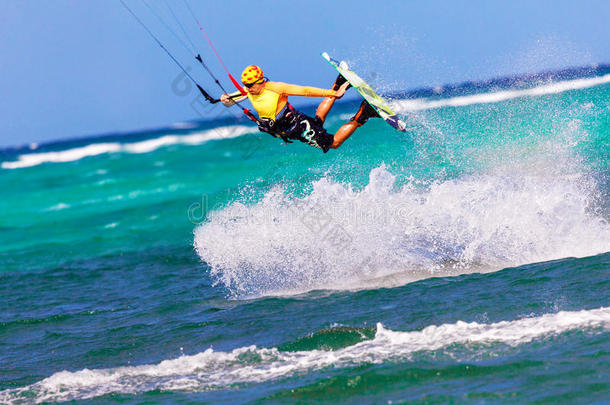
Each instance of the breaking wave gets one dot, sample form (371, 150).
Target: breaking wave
(495, 97)
(211, 370)
(149, 145)
(340, 238)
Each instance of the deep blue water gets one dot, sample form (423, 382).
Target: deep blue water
(465, 261)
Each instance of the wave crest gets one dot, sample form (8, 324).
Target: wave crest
(146, 146)
(496, 97)
(340, 238)
(216, 370)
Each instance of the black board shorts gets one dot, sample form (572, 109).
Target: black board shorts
(311, 131)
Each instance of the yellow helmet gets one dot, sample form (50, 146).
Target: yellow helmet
(251, 74)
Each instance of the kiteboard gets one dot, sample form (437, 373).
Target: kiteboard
(375, 100)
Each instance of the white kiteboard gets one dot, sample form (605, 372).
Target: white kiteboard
(375, 100)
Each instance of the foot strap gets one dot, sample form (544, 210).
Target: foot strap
(364, 113)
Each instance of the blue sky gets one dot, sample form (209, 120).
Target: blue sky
(73, 68)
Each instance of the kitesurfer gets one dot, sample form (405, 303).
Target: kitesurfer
(278, 118)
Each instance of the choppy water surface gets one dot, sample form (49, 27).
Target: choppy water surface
(466, 260)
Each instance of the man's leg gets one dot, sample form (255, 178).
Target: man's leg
(325, 107)
(364, 113)
(328, 102)
(344, 132)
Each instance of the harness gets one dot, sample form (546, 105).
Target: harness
(283, 126)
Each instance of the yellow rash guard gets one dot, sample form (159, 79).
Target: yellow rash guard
(275, 96)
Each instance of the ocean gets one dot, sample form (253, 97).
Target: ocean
(464, 261)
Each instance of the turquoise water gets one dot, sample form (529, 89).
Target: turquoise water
(465, 261)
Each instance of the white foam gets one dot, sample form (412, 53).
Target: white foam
(495, 97)
(340, 238)
(71, 155)
(210, 370)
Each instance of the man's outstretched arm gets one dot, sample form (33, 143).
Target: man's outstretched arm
(306, 91)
